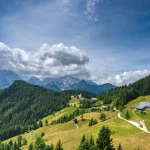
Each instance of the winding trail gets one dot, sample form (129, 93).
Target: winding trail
(76, 126)
(143, 128)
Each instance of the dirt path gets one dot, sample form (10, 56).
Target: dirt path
(76, 126)
(143, 128)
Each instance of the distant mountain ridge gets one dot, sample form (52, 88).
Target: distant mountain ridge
(7, 77)
(71, 83)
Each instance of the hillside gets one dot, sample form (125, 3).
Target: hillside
(120, 96)
(22, 105)
(129, 136)
(137, 116)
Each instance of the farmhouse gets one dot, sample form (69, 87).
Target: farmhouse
(143, 106)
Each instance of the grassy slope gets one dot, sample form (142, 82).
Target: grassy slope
(75, 101)
(129, 136)
(136, 115)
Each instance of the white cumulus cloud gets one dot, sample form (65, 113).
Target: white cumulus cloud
(122, 78)
(59, 60)
(55, 61)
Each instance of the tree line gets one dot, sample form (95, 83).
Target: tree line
(67, 118)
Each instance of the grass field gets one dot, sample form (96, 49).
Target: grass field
(75, 101)
(137, 115)
(128, 135)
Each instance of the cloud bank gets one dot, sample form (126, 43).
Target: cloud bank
(124, 78)
(59, 60)
(55, 61)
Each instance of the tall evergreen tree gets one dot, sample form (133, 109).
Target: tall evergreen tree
(102, 116)
(92, 144)
(46, 122)
(127, 115)
(83, 139)
(104, 140)
(59, 146)
(119, 147)
(39, 143)
(30, 146)
(19, 140)
(40, 123)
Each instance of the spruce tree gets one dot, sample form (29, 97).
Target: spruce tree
(92, 144)
(39, 143)
(104, 140)
(85, 145)
(59, 146)
(40, 123)
(127, 115)
(102, 117)
(30, 146)
(119, 147)
(19, 139)
(46, 122)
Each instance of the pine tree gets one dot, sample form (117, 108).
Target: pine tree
(51, 147)
(75, 120)
(104, 141)
(59, 146)
(46, 122)
(10, 143)
(92, 144)
(39, 143)
(119, 147)
(24, 141)
(19, 139)
(85, 145)
(102, 117)
(40, 123)
(83, 139)
(30, 146)
(127, 115)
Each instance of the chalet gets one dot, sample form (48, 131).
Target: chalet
(143, 106)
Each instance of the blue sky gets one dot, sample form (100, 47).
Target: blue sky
(114, 35)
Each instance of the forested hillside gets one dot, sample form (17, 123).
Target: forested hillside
(23, 104)
(122, 95)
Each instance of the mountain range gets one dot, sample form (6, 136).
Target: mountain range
(71, 83)
(7, 77)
